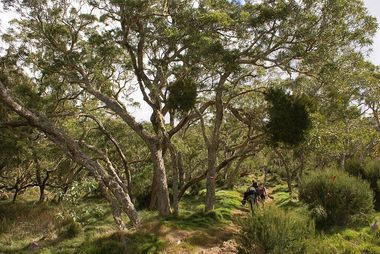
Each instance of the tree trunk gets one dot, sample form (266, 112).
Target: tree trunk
(342, 161)
(210, 179)
(122, 156)
(265, 171)
(301, 169)
(213, 144)
(233, 175)
(160, 193)
(40, 182)
(175, 168)
(116, 212)
(289, 181)
(42, 194)
(15, 195)
(289, 178)
(181, 172)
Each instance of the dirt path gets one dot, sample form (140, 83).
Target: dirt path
(218, 240)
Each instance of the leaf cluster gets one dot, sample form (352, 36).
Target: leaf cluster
(289, 120)
(182, 95)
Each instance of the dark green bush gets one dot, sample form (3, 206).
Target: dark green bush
(289, 120)
(273, 230)
(334, 197)
(73, 229)
(182, 94)
(372, 175)
(354, 167)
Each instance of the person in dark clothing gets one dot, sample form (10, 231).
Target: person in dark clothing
(252, 191)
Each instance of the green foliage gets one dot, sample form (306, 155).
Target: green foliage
(272, 230)
(372, 171)
(372, 175)
(289, 120)
(354, 167)
(182, 95)
(369, 172)
(80, 189)
(335, 197)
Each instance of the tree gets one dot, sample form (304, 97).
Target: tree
(102, 50)
(73, 150)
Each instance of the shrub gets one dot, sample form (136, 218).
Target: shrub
(334, 197)
(372, 175)
(273, 230)
(354, 167)
(73, 229)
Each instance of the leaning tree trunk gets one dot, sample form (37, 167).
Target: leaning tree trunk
(234, 174)
(15, 195)
(42, 194)
(160, 193)
(73, 150)
(116, 212)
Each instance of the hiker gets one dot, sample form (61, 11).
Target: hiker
(252, 191)
(262, 192)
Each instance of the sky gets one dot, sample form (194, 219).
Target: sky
(373, 7)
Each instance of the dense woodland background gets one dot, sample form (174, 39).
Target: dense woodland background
(279, 91)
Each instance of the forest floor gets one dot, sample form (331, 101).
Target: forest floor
(28, 227)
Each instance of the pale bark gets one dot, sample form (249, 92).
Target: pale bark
(212, 148)
(175, 188)
(210, 179)
(123, 158)
(116, 212)
(72, 149)
(160, 194)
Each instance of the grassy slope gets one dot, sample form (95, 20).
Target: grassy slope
(26, 222)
